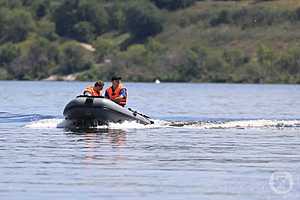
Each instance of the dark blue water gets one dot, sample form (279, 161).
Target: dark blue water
(210, 141)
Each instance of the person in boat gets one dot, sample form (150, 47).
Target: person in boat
(95, 90)
(117, 92)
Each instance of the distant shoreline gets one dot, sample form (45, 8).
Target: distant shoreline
(212, 41)
(151, 82)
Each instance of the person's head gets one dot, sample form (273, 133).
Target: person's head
(99, 85)
(115, 80)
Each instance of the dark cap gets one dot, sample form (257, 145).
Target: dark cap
(114, 78)
(99, 83)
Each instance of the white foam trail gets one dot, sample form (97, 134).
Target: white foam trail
(247, 124)
(61, 123)
(135, 125)
(238, 124)
(45, 124)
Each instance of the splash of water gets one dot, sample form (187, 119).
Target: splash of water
(61, 123)
(134, 125)
(46, 124)
(233, 124)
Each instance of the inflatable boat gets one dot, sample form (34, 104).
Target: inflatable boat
(92, 111)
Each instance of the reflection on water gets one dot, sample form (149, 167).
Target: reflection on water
(95, 138)
(95, 135)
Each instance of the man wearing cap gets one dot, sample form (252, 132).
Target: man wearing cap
(95, 90)
(117, 92)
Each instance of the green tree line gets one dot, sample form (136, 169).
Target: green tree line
(144, 40)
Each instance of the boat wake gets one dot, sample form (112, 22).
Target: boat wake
(238, 124)
(47, 124)
(216, 124)
(61, 123)
(6, 117)
(37, 121)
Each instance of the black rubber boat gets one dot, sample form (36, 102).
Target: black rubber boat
(92, 111)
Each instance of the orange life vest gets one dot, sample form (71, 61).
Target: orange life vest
(116, 93)
(90, 89)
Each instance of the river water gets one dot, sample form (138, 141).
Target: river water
(209, 141)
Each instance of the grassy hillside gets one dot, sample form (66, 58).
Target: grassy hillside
(248, 41)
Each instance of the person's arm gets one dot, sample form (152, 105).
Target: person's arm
(106, 95)
(123, 94)
(87, 93)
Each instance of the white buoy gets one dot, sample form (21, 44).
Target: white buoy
(157, 81)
